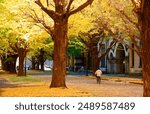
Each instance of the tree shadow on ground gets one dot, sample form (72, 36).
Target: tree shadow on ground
(7, 84)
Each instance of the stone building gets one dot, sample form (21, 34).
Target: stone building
(121, 60)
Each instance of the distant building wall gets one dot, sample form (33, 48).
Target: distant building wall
(121, 59)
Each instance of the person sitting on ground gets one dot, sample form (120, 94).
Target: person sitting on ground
(98, 74)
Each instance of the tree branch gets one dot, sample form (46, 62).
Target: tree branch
(88, 2)
(14, 47)
(47, 2)
(134, 38)
(133, 2)
(51, 13)
(108, 49)
(37, 19)
(127, 17)
(69, 5)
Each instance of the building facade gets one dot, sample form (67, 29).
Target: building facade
(120, 59)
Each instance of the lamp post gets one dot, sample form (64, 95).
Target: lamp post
(25, 70)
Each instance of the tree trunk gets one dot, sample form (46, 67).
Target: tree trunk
(41, 59)
(96, 60)
(5, 64)
(22, 54)
(12, 64)
(146, 77)
(37, 65)
(42, 65)
(60, 48)
(9, 63)
(145, 21)
(59, 34)
(33, 63)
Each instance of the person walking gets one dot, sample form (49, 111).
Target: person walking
(98, 74)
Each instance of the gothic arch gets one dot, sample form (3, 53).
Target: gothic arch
(120, 58)
(126, 50)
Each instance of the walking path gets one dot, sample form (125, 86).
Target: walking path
(78, 86)
(108, 87)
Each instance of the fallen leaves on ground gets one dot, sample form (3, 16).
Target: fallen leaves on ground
(40, 90)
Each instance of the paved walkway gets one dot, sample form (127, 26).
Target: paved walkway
(107, 88)
(87, 85)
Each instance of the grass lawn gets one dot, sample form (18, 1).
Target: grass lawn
(24, 79)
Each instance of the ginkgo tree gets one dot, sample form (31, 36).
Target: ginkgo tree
(134, 15)
(18, 30)
(7, 55)
(16, 34)
(144, 21)
(139, 33)
(41, 49)
(59, 11)
(141, 10)
(96, 30)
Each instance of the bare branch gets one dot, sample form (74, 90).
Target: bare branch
(51, 13)
(33, 15)
(88, 2)
(47, 2)
(69, 5)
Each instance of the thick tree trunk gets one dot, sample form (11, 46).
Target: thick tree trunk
(146, 77)
(60, 47)
(9, 63)
(22, 54)
(145, 21)
(12, 64)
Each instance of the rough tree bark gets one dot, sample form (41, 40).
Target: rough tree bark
(145, 22)
(60, 46)
(21, 54)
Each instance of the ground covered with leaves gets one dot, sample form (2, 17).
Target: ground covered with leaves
(37, 85)
(33, 87)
